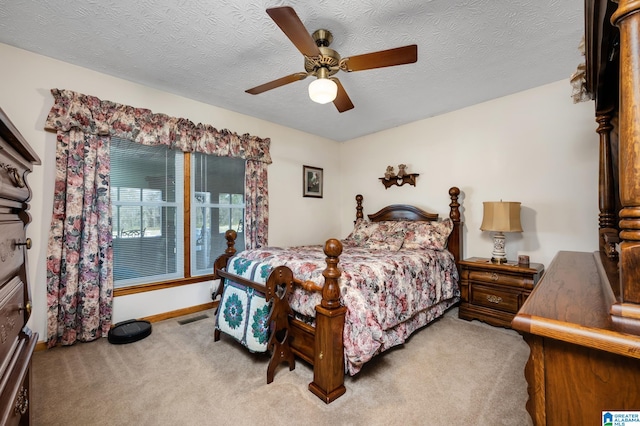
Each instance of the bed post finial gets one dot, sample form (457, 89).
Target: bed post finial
(359, 214)
(454, 214)
(221, 263)
(230, 236)
(330, 290)
(455, 238)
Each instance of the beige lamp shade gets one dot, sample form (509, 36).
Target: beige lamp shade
(501, 216)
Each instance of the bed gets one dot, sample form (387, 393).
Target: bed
(397, 272)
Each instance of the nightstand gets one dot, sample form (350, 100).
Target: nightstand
(492, 292)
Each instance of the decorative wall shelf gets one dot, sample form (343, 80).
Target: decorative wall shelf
(399, 181)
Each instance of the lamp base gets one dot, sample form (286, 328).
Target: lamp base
(498, 255)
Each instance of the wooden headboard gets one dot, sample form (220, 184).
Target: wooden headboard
(412, 213)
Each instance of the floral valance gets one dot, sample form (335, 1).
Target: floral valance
(95, 116)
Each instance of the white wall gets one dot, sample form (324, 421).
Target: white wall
(536, 147)
(25, 83)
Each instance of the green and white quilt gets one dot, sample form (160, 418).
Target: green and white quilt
(243, 311)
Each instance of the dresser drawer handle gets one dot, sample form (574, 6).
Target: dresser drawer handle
(14, 175)
(26, 308)
(22, 402)
(494, 276)
(494, 299)
(27, 244)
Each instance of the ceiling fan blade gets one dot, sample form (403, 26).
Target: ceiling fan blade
(289, 22)
(383, 58)
(342, 101)
(277, 83)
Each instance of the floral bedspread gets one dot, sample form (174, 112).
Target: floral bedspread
(388, 295)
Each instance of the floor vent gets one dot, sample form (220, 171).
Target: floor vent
(192, 319)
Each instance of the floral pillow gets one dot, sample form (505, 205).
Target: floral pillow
(389, 235)
(385, 235)
(428, 235)
(361, 232)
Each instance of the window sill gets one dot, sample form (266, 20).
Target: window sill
(143, 288)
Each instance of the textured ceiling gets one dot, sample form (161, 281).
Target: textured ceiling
(469, 51)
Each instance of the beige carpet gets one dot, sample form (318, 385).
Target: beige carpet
(453, 372)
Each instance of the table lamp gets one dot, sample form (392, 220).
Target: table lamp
(500, 217)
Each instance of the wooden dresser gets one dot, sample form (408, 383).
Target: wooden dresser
(581, 363)
(17, 342)
(582, 321)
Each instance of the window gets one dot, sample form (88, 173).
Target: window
(154, 239)
(217, 206)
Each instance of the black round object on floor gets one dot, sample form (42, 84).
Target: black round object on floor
(129, 331)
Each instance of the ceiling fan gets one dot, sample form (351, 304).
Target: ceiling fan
(322, 62)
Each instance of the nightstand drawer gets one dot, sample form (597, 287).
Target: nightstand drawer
(500, 278)
(494, 298)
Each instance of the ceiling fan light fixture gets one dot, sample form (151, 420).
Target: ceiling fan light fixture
(322, 62)
(323, 90)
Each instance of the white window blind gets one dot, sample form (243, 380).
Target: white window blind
(148, 206)
(147, 213)
(217, 205)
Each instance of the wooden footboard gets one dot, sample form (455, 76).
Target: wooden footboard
(322, 346)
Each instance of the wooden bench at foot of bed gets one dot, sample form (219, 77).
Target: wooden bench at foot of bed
(321, 346)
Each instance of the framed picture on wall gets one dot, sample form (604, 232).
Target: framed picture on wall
(312, 182)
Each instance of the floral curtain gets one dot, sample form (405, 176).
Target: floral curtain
(256, 205)
(79, 256)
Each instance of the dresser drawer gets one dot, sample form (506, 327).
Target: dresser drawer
(16, 397)
(13, 169)
(17, 412)
(501, 279)
(11, 255)
(11, 319)
(495, 298)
